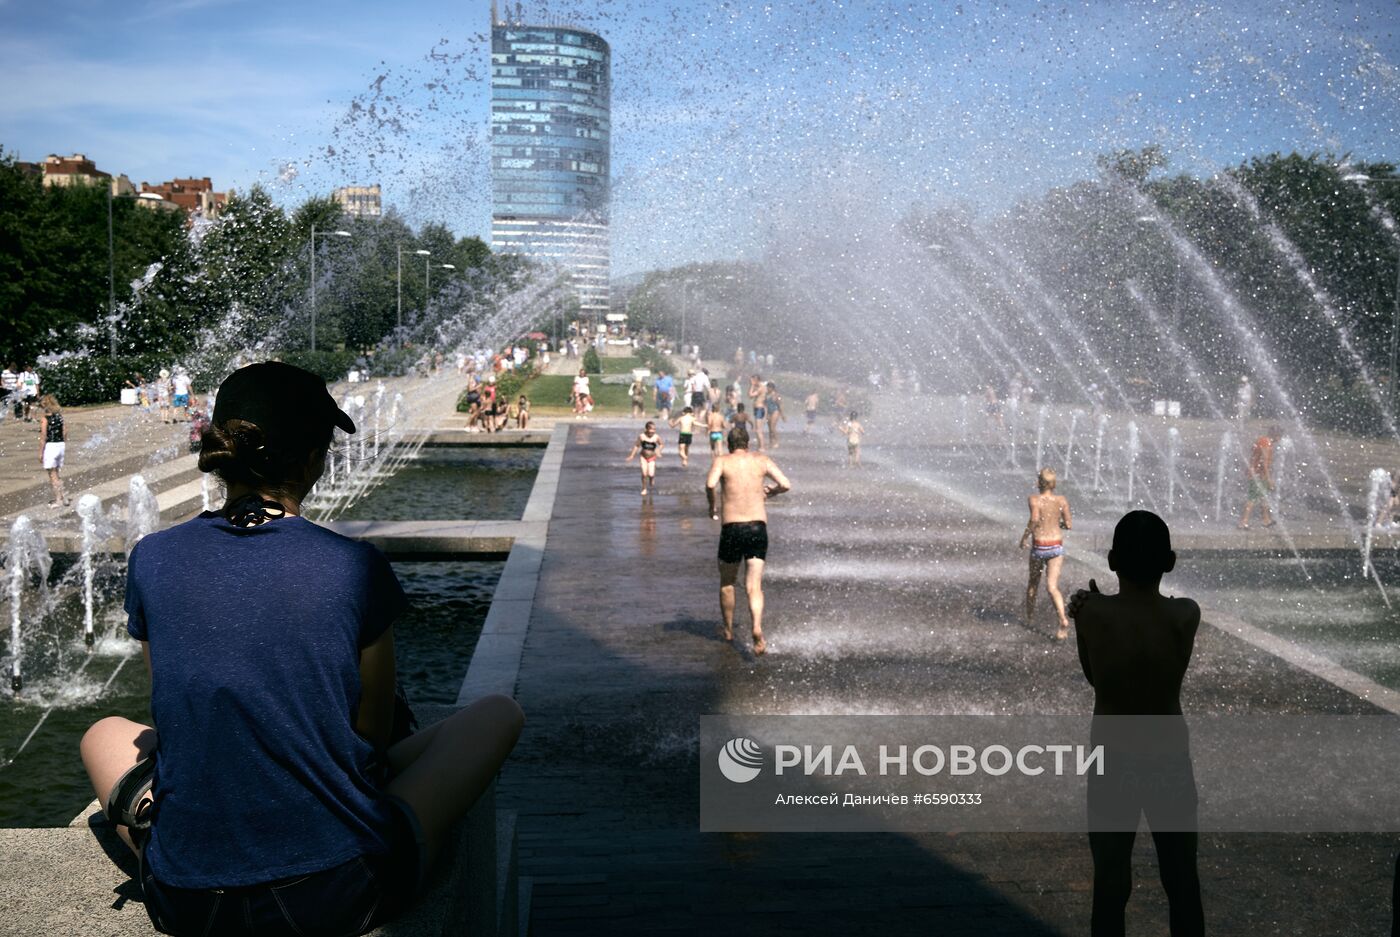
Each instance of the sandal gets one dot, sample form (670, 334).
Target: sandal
(127, 804)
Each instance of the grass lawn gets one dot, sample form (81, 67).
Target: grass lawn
(619, 366)
(549, 395)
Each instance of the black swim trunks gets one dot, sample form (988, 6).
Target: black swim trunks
(743, 541)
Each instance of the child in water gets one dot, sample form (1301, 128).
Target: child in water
(649, 444)
(686, 422)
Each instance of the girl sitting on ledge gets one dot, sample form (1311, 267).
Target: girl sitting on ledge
(269, 797)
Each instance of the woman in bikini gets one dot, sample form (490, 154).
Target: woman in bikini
(649, 444)
(1049, 515)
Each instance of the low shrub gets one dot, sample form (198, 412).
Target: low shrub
(591, 362)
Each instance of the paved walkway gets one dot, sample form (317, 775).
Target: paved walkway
(882, 598)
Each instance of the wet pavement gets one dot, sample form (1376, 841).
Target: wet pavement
(883, 597)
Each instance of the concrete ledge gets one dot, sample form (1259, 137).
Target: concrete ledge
(495, 665)
(506, 438)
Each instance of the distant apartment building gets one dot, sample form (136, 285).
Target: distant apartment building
(550, 150)
(191, 195)
(359, 201)
(79, 170)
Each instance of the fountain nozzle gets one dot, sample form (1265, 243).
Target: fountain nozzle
(16, 683)
(88, 638)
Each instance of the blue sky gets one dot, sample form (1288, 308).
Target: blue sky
(729, 117)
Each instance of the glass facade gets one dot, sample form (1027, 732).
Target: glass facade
(550, 152)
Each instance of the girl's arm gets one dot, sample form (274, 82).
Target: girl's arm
(636, 447)
(43, 434)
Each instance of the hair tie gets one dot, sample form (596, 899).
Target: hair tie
(253, 510)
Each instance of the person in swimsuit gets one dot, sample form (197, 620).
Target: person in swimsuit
(854, 432)
(522, 413)
(993, 407)
(774, 403)
(758, 393)
(741, 477)
(715, 423)
(649, 445)
(1135, 648)
(52, 441)
(811, 405)
(636, 391)
(1049, 515)
(1260, 477)
(741, 419)
(686, 422)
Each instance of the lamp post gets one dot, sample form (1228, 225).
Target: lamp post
(111, 270)
(1360, 177)
(398, 280)
(337, 233)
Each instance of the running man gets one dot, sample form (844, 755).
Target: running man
(1049, 515)
(649, 444)
(741, 478)
(1260, 477)
(686, 421)
(715, 424)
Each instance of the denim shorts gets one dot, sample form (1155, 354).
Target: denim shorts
(350, 898)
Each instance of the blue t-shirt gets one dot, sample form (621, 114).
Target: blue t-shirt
(664, 385)
(255, 637)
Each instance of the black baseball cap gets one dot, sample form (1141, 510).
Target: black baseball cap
(284, 401)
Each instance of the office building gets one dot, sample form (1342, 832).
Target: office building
(550, 150)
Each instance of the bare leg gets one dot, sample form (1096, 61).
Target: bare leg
(1052, 586)
(109, 749)
(1032, 586)
(753, 585)
(728, 575)
(1248, 510)
(56, 485)
(442, 774)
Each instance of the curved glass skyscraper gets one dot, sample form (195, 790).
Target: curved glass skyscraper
(550, 151)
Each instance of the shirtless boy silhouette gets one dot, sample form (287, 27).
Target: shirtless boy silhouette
(1135, 647)
(1049, 515)
(740, 476)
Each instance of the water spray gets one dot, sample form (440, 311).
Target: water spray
(27, 554)
(1132, 456)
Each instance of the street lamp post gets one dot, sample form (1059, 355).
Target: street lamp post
(398, 280)
(1360, 177)
(440, 267)
(337, 233)
(112, 272)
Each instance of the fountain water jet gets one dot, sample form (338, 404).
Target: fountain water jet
(1098, 452)
(26, 555)
(1227, 446)
(142, 512)
(1132, 457)
(1173, 452)
(94, 535)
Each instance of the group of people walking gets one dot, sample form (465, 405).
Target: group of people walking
(169, 393)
